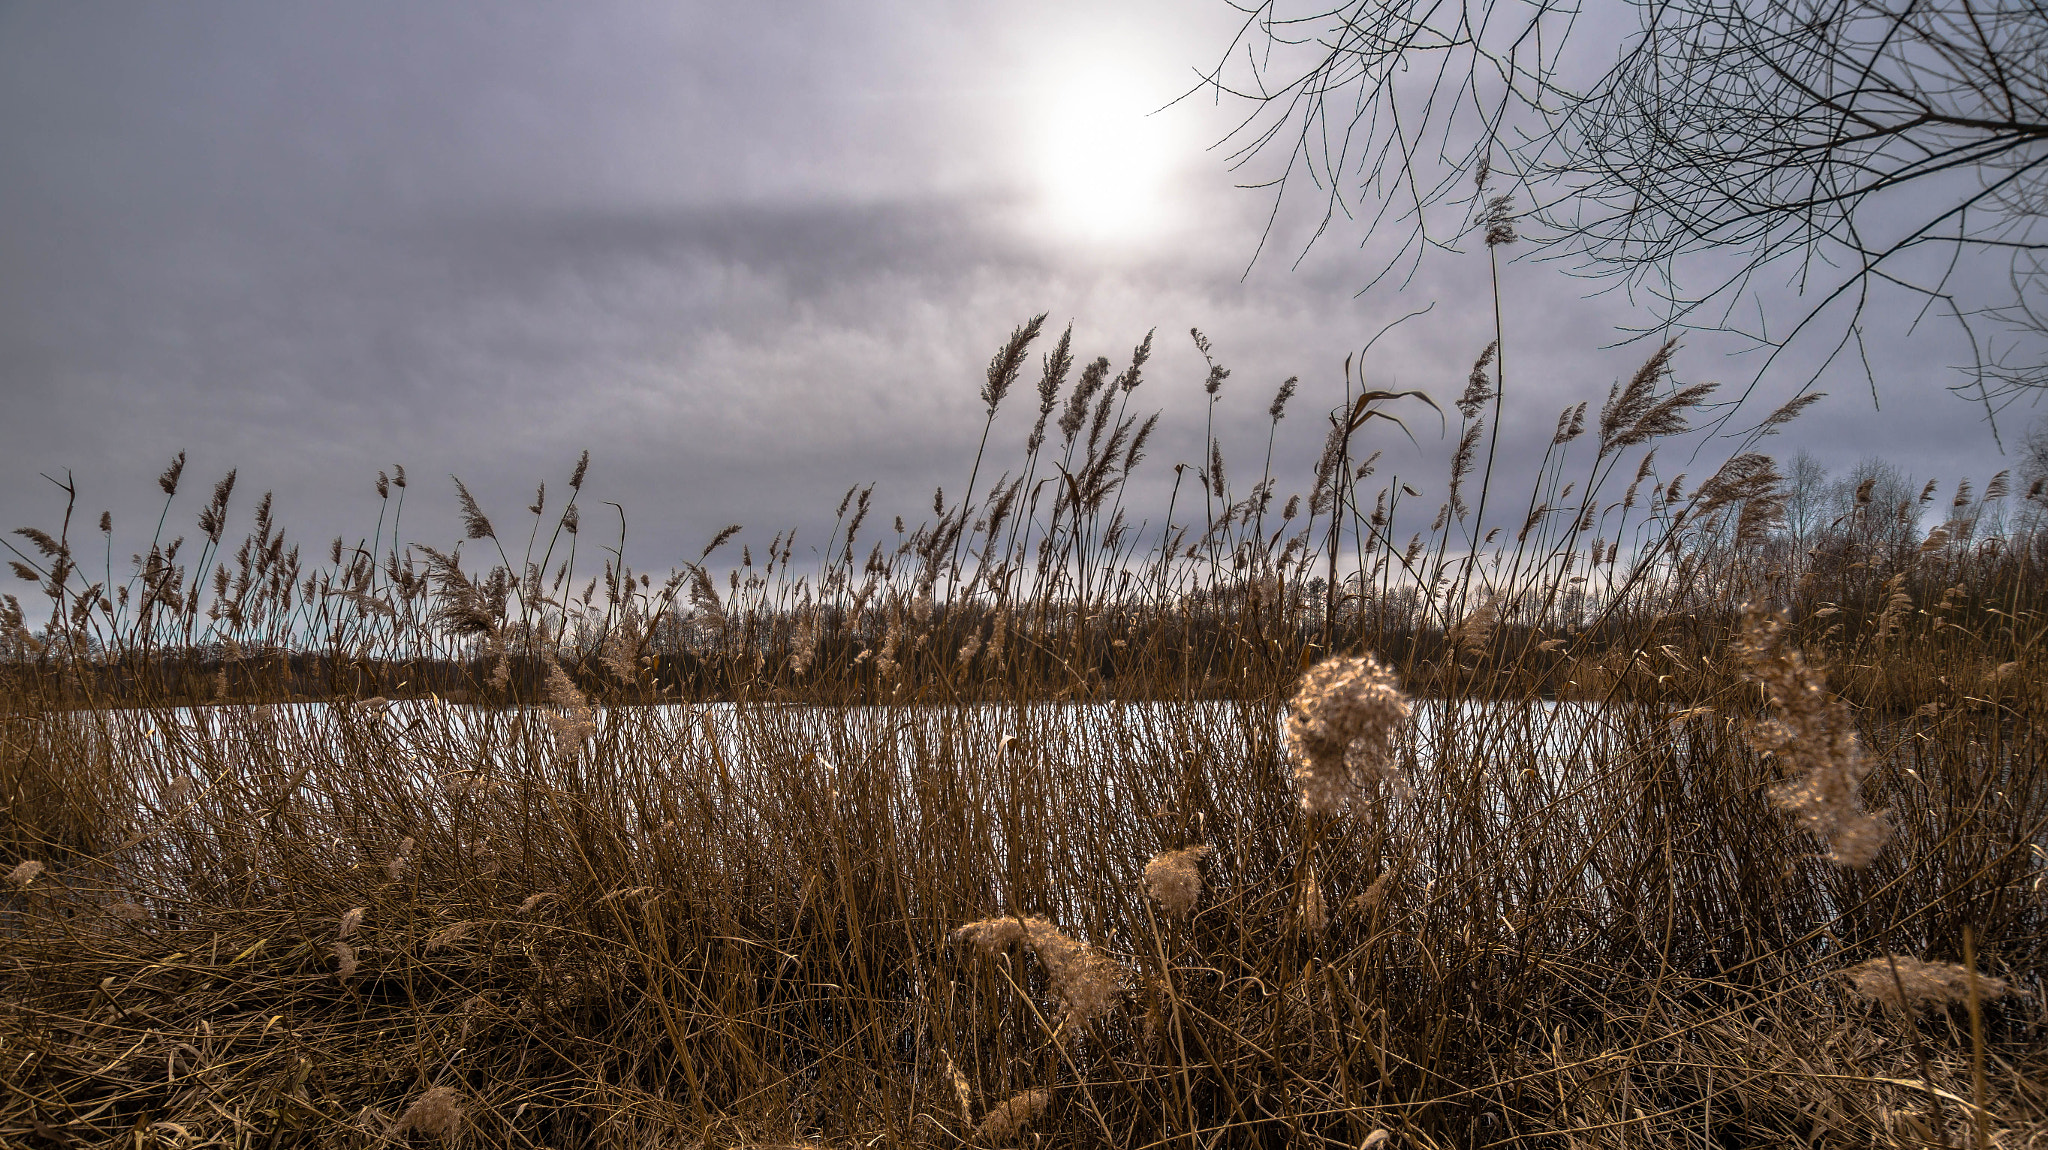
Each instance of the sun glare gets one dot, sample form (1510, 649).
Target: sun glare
(1102, 164)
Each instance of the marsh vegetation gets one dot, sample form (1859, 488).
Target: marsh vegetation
(1252, 820)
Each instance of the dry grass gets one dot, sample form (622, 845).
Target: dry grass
(1065, 888)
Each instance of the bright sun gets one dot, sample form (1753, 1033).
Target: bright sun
(1101, 163)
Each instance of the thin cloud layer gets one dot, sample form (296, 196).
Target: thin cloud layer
(746, 263)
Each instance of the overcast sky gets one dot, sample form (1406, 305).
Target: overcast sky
(747, 255)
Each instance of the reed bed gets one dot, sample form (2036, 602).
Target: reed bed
(1028, 826)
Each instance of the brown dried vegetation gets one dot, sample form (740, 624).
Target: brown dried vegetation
(1574, 868)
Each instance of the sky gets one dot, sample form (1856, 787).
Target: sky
(746, 255)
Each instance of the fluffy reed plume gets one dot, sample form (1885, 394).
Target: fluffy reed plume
(1936, 539)
(1461, 468)
(1008, 1118)
(344, 961)
(620, 651)
(1478, 386)
(349, 923)
(436, 1113)
(474, 524)
(532, 900)
(1312, 916)
(24, 872)
(578, 722)
(1280, 398)
(1375, 895)
(1898, 606)
(998, 635)
(1815, 738)
(1174, 878)
(962, 1092)
(1084, 981)
(803, 646)
(449, 935)
(1918, 984)
(1341, 726)
(885, 662)
(1471, 633)
(1500, 221)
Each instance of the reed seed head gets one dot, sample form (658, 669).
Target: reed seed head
(474, 523)
(1500, 221)
(1918, 984)
(1174, 878)
(449, 935)
(1003, 369)
(1341, 727)
(1286, 392)
(24, 873)
(169, 479)
(1083, 980)
(962, 1092)
(1375, 895)
(437, 1113)
(344, 961)
(1010, 1117)
(579, 722)
(1478, 385)
(1815, 738)
(803, 645)
(349, 923)
(1313, 915)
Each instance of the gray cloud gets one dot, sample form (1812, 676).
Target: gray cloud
(746, 263)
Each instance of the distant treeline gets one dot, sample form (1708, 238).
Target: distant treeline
(1044, 583)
